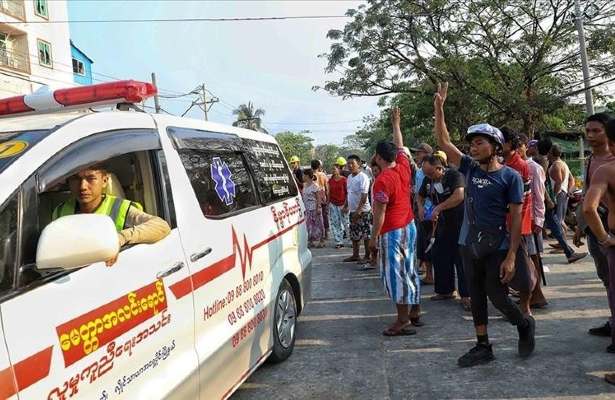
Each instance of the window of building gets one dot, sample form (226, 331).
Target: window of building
(41, 9)
(273, 179)
(78, 67)
(220, 180)
(4, 57)
(44, 53)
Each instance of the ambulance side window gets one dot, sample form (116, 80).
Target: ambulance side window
(8, 243)
(273, 179)
(220, 180)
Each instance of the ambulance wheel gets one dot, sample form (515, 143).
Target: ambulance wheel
(284, 323)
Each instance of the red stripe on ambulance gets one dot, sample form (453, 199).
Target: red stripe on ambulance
(208, 274)
(25, 373)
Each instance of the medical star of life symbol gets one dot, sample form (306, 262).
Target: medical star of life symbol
(225, 187)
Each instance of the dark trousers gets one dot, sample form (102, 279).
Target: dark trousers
(611, 288)
(483, 276)
(446, 258)
(598, 253)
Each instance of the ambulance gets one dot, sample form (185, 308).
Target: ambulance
(188, 317)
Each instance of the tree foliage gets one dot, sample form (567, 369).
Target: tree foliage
(512, 62)
(249, 117)
(296, 144)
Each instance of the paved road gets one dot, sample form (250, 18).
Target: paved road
(341, 354)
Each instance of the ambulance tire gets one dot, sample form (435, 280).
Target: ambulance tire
(284, 323)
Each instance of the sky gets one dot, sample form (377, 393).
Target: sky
(273, 64)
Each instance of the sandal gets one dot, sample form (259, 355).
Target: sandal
(439, 297)
(402, 330)
(416, 321)
(466, 303)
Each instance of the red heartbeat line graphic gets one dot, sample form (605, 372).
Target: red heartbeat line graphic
(245, 256)
(215, 270)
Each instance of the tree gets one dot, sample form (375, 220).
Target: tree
(327, 153)
(296, 144)
(509, 61)
(248, 117)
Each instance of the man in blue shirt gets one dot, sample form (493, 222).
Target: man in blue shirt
(493, 191)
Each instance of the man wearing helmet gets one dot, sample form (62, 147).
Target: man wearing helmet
(295, 164)
(341, 163)
(492, 192)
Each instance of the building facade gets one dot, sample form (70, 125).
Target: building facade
(82, 65)
(33, 53)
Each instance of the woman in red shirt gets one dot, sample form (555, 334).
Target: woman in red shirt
(337, 199)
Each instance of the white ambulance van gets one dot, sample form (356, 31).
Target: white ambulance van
(188, 317)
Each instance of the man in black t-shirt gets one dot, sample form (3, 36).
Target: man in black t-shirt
(445, 188)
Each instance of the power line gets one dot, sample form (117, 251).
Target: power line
(130, 21)
(316, 123)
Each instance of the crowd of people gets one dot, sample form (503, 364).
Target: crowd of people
(473, 223)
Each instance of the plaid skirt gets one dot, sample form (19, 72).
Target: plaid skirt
(398, 272)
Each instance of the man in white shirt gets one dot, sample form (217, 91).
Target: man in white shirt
(360, 210)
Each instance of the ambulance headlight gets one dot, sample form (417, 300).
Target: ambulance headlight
(75, 241)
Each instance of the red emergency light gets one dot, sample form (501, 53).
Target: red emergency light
(45, 100)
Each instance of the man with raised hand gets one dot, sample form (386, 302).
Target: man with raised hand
(492, 192)
(394, 233)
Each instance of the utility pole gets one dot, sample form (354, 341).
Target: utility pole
(204, 100)
(156, 98)
(578, 19)
(589, 101)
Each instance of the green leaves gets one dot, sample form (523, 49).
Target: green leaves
(508, 61)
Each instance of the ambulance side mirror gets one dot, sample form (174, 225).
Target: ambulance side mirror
(77, 240)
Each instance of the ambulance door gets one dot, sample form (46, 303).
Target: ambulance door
(8, 249)
(225, 243)
(8, 384)
(103, 332)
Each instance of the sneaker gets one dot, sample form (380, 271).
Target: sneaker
(576, 257)
(526, 338)
(604, 330)
(479, 354)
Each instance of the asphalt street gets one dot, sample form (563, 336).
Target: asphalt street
(340, 352)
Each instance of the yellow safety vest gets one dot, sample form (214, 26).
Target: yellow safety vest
(114, 207)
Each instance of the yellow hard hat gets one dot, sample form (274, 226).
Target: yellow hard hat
(341, 161)
(294, 159)
(441, 155)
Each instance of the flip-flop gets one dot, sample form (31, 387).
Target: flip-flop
(403, 331)
(439, 297)
(467, 305)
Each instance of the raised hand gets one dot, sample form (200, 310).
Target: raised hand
(441, 94)
(395, 116)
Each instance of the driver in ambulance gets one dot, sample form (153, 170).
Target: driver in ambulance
(88, 189)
